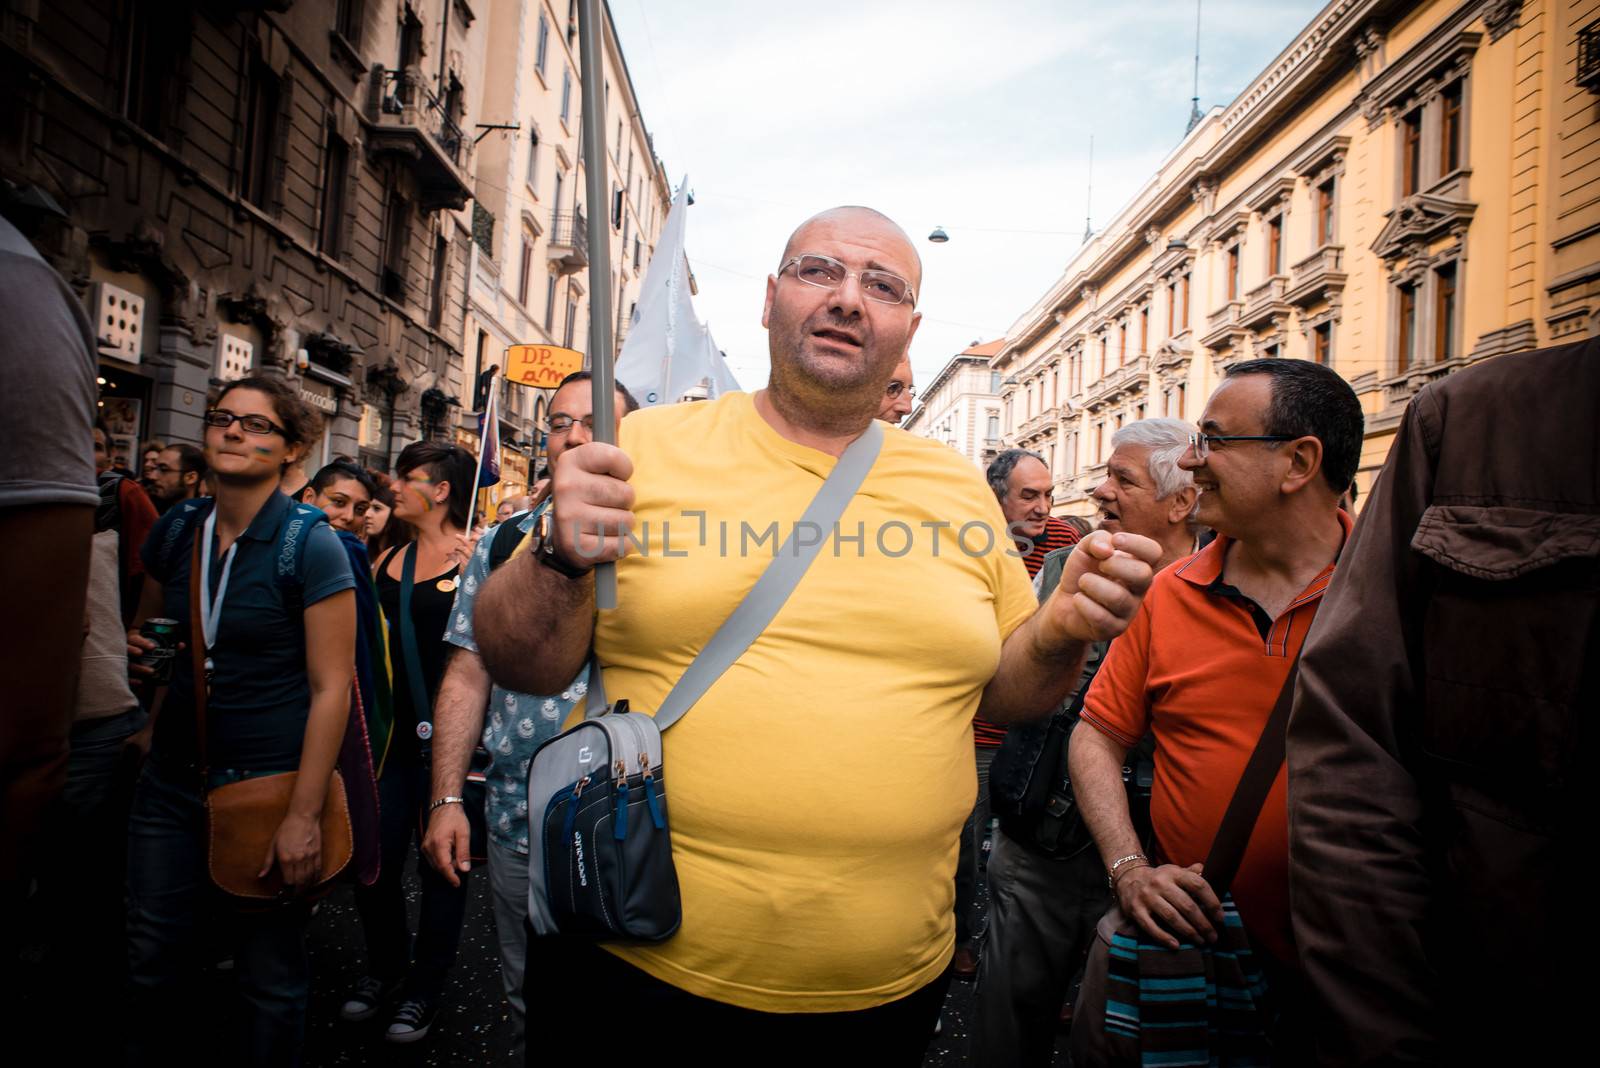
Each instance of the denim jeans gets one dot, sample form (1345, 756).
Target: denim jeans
(508, 884)
(971, 852)
(403, 793)
(169, 898)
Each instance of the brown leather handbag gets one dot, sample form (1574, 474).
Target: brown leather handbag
(242, 817)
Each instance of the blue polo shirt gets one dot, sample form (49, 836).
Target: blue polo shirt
(260, 693)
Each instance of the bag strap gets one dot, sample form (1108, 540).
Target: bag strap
(1260, 772)
(507, 536)
(197, 657)
(420, 702)
(771, 591)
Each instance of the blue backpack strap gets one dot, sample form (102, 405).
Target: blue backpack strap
(294, 531)
(180, 531)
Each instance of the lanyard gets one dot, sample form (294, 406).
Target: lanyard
(211, 614)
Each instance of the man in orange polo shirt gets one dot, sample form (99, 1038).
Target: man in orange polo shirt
(1208, 652)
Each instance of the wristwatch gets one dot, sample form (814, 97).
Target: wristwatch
(545, 550)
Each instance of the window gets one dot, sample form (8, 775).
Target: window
(543, 48)
(1072, 454)
(1410, 152)
(1444, 312)
(1180, 392)
(525, 268)
(1275, 245)
(572, 322)
(1233, 272)
(566, 95)
(1450, 128)
(410, 52)
(561, 178)
(993, 433)
(994, 381)
(1272, 352)
(1172, 307)
(260, 136)
(1099, 441)
(155, 43)
(550, 304)
(1183, 284)
(533, 156)
(1325, 213)
(396, 239)
(636, 248)
(1407, 339)
(1322, 344)
(441, 260)
(1122, 342)
(335, 177)
(347, 20)
(1144, 329)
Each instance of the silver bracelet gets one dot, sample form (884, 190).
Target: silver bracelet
(443, 801)
(1111, 873)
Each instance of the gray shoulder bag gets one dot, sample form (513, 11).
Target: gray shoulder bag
(599, 849)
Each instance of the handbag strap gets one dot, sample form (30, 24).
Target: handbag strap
(421, 703)
(772, 589)
(1260, 772)
(197, 656)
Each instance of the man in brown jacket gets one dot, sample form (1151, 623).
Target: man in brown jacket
(1439, 742)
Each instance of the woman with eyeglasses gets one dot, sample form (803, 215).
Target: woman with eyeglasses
(416, 587)
(278, 654)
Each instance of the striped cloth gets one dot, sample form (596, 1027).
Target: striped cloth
(1189, 1006)
(1058, 534)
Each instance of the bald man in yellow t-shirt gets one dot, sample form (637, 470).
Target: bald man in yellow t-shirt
(819, 786)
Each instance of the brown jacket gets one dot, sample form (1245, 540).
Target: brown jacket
(1439, 744)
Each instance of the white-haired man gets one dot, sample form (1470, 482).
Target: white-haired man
(1047, 886)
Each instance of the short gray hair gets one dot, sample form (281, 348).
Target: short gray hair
(1000, 468)
(1167, 439)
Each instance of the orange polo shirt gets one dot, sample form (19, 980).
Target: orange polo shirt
(1201, 666)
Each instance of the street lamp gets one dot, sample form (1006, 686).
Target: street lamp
(938, 237)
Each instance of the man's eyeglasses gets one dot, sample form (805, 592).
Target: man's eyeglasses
(561, 424)
(825, 272)
(895, 388)
(250, 424)
(1202, 443)
(159, 468)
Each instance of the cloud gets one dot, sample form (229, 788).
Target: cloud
(974, 117)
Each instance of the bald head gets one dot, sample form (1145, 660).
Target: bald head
(852, 218)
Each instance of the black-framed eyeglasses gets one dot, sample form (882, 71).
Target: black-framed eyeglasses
(825, 272)
(1202, 443)
(561, 424)
(250, 424)
(897, 387)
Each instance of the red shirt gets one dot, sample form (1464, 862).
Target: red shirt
(1201, 665)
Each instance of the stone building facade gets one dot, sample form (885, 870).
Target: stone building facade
(316, 190)
(961, 406)
(1408, 188)
(528, 265)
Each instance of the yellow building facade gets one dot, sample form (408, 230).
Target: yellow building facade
(1406, 189)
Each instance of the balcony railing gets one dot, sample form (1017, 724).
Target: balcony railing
(569, 241)
(1589, 57)
(1317, 277)
(1265, 303)
(411, 122)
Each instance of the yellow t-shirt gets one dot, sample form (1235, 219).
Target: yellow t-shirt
(817, 791)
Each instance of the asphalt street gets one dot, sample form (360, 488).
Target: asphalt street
(474, 1027)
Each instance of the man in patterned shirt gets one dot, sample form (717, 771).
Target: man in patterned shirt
(518, 723)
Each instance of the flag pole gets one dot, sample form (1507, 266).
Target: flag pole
(591, 42)
(489, 427)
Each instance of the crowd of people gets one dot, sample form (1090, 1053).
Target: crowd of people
(1079, 698)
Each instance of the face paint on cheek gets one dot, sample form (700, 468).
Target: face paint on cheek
(427, 502)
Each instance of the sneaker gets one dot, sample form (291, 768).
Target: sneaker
(412, 1020)
(364, 1000)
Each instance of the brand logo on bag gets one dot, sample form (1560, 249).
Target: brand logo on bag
(577, 850)
(585, 755)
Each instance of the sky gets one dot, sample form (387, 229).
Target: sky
(973, 117)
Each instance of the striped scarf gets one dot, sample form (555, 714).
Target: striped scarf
(1196, 1005)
